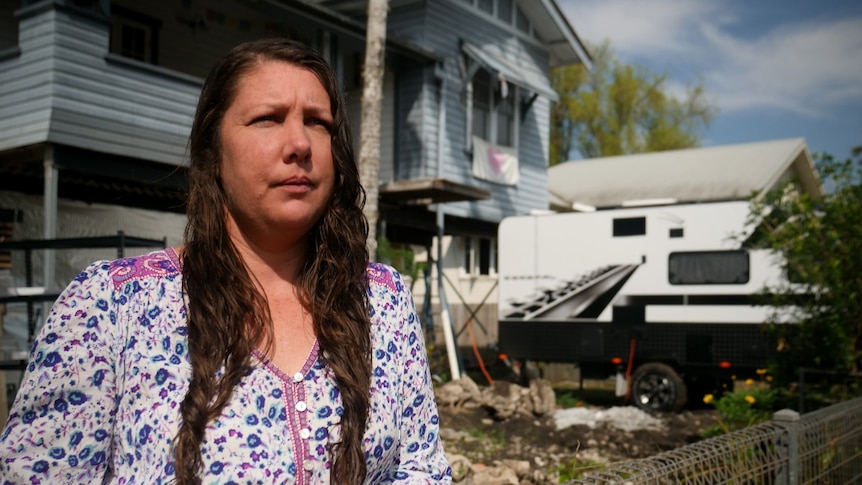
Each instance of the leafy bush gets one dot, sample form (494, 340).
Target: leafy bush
(748, 404)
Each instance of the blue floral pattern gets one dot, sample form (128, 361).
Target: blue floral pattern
(99, 402)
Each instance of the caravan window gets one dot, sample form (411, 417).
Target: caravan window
(630, 226)
(708, 268)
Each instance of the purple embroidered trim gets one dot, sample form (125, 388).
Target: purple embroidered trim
(158, 263)
(378, 273)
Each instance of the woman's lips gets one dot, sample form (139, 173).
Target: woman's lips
(296, 184)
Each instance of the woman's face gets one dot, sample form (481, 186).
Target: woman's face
(276, 155)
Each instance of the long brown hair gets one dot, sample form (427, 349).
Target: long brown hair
(227, 316)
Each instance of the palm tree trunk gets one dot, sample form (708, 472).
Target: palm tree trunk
(372, 108)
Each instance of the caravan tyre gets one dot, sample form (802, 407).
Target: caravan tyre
(658, 387)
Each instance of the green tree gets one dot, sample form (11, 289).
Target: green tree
(819, 242)
(615, 109)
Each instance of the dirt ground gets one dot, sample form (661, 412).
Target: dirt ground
(473, 434)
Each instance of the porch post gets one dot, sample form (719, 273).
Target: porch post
(451, 350)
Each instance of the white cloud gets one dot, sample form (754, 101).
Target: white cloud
(638, 28)
(805, 67)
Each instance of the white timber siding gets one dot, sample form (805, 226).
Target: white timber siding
(25, 86)
(61, 89)
(65, 87)
(116, 108)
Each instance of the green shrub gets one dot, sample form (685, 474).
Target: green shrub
(748, 404)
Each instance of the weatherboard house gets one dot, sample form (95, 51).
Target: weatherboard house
(97, 98)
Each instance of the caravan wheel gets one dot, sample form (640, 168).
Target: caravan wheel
(658, 387)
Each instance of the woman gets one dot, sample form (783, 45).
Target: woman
(266, 349)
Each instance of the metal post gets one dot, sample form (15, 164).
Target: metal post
(789, 419)
(802, 390)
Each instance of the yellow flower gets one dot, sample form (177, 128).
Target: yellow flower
(760, 372)
(749, 382)
(750, 399)
(707, 399)
(768, 378)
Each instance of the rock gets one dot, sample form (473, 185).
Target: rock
(542, 397)
(520, 467)
(461, 467)
(494, 475)
(456, 393)
(449, 434)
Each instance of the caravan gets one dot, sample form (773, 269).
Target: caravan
(665, 295)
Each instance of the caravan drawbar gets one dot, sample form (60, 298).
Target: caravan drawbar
(664, 296)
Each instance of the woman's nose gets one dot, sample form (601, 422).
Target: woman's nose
(297, 144)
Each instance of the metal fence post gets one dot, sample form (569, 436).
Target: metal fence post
(789, 420)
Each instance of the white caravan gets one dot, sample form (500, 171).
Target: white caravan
(663, 294)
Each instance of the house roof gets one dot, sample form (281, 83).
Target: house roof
(557, 33)
(322, 10)
(730, 172)
(549, 22)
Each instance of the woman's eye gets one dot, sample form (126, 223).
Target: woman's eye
(265, 119)
(320, 122)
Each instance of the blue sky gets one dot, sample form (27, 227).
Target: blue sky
(774, 69)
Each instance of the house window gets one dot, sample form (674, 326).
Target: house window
(505, 12)
(493, 109)
(708, 268)
(479, 255)
(134, 35)
(8, 25)
(521, 21)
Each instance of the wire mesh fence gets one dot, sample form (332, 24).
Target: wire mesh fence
(830, 444)
(822, 447)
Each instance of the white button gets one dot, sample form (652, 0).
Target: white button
(300, 406)
(305, 433)
(308, 466)
(298, 377)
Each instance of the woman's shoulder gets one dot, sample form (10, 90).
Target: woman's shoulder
(156, 264)
(385, 276)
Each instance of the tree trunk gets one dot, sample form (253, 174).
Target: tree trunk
(372, 108)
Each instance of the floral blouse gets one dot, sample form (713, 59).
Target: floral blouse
(99, 402)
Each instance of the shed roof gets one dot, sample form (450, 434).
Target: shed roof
(730, 172)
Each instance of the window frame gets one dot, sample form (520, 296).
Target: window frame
(493, 115)
(476, 252)
(150, 26)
